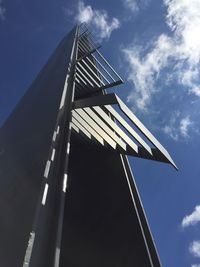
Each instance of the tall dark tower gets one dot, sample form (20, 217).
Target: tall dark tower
(67, 194)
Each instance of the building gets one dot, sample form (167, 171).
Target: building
(68, 196)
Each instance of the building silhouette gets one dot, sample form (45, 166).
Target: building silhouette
(68, 196)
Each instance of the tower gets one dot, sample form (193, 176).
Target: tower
(68, 196)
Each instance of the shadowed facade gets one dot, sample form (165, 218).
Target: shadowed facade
(67, 194)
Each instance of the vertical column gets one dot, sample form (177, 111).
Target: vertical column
(137, 203)
(67, 103)
(44, 242)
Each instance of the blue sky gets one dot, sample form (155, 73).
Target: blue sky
(155, 46)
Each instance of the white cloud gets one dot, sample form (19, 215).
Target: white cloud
(135, 5)
(171, 128)
(131, 5)
(2, 11)
(195, 265)
(85, 13)
(178, 127)
(98, 19)
(194, 248)
(171, 131)
(192, 219)
(180, 52)
(144, 71)
(185, 123)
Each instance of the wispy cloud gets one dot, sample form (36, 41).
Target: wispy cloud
(171, 128)
(178, 126)
(135, 5)
(132, 5)
(99, 19)
(194, 248)
(192, 219)
(2, 11)
(144, 71)
(185, 124)
(179, 52)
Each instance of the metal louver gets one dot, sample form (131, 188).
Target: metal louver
(94, 116)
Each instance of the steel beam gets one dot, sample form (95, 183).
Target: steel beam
(87, 127)
(116, 128)
(97, 128)
(107, 129)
